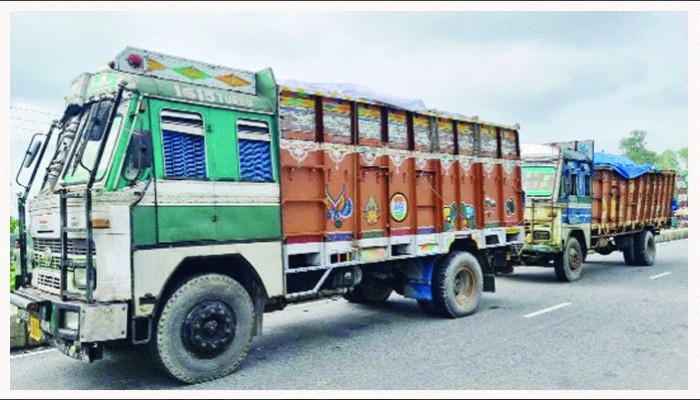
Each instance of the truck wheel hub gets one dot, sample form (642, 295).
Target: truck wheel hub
(209, 329)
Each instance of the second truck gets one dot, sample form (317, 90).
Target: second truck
(579, 201)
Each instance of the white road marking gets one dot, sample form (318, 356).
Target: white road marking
(660, 275)
(546, 310)
(31, 353)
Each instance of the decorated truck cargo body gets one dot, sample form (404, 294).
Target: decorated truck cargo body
(183, 200)
(579, 201)
(368, 182)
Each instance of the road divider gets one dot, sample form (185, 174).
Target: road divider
(667, 235)
(546, 310)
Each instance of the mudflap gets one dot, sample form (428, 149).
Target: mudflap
(85, 352)
(488, 270)
(419, 278)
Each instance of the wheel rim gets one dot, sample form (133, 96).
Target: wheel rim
(574, 260)
(209, 329)
(464, 286)
(651, 248)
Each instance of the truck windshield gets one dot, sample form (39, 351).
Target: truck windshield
(539, 181)
(91, 132)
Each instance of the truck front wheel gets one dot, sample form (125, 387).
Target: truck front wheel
(567, 265)
(457, 285)
(204, 329)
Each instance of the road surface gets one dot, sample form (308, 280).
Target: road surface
(619, 327)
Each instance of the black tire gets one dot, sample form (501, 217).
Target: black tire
(568, 265)
(628, 254)
(457, 285)
(644, 249)
(426, 306)
(369, 291)
(205, 328)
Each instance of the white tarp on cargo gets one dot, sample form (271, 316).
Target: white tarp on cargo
(356, 92)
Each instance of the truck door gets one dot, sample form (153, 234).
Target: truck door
(245, 176)
(185, 205)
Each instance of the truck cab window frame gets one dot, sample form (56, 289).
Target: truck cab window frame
(183, 145)
(254, 151)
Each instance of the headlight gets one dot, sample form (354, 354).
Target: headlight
(71, 320)
(541, 235)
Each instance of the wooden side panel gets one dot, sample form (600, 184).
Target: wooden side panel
(492, 181)
(642, 201)
(428, 205)
(597, 201)
(471, 203)
(302, 170)
(352, 171)
(402, 176)
(470, 194)
(614, 208)
(623, 200)
(512, 179)
(373, 198)
(492, 177)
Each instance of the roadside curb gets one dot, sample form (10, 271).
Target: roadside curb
(672, 234)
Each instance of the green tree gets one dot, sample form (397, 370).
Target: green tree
(634, 147)
(14, 224)
(668, 160)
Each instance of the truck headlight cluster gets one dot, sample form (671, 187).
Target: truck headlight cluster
(71, 320)
(541, 235)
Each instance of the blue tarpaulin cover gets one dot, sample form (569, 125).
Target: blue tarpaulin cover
(622, 165)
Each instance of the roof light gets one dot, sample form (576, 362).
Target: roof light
(135, 60)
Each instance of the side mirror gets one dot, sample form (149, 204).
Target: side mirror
(32, 150)
(139, 155)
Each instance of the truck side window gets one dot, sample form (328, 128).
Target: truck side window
(254, 151)
(587, 185)
(184, 153)
(573, 187)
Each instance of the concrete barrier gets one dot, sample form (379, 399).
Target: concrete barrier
(672, 234)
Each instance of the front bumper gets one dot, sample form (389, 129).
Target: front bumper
(531, 252)
(73, 327)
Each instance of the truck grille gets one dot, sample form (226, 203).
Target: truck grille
(49, 281)
(48, 268)
(77, 247)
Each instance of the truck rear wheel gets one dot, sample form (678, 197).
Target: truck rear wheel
(370, 291)
(628, 254)
(457, 285)
(204, 329)
(644, 249)
(567, 265)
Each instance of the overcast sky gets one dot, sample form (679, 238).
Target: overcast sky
(560, 75)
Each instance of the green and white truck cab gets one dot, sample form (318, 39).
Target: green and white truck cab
(557, 184)
(101, 243)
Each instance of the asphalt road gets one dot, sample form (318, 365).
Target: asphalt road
(618, 327)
